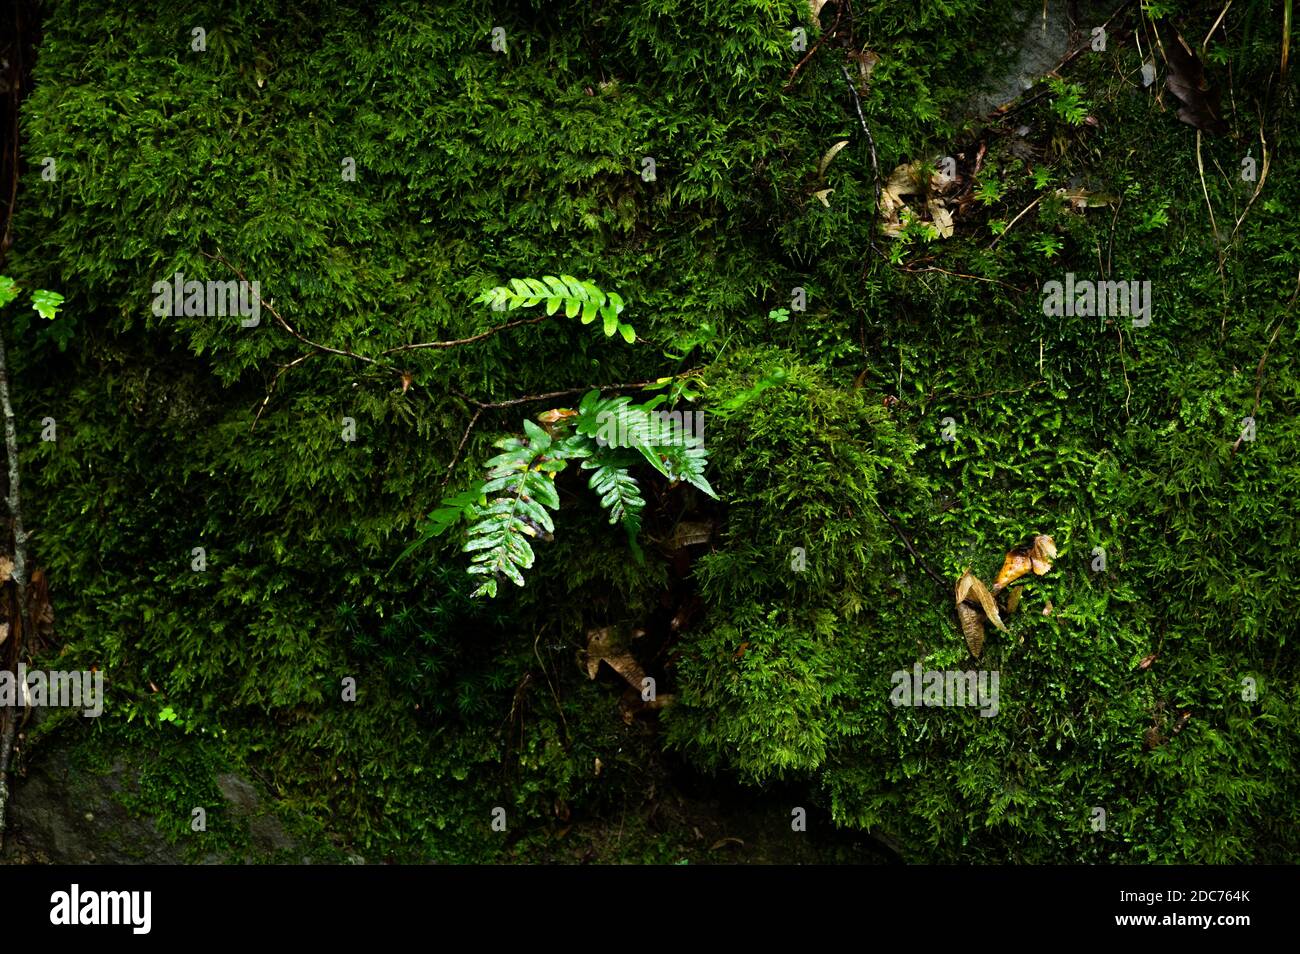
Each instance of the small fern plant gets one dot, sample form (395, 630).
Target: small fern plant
(576, 297)
(513, 505)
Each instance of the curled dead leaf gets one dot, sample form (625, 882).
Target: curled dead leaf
(1042, 554)
(969, 588)
(867, 61)
(602, 646)
(1034, 557)
(1016, 565)
(1186, 80)
(633, 704)
(689, 533)
(1080, 198)
(1013, 598)
(937, 189)
(1147, 661)
(941, 218)
(556, 414)
(827, 159)
(972, 628)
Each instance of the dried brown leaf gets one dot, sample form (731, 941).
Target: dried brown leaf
(691, 533)
(827, 159)
(972, 627)
(1043, 553)
(867, 61)
(941, 217)
(603, 647)
(1186, 80)
(1083, 199)
(1016, 565)
(556, 414)
(969, 587)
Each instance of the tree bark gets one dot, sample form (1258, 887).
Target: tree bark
(20, 631)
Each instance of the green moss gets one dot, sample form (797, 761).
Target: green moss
(474, 165)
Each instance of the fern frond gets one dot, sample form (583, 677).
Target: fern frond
(619, 492)
(671, 450)
(686, 461)
(578, 298)
(526, 487)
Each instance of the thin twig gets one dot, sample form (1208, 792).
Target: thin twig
(1259, 381)
(15, 94)
(977, 278)
(1128, 391)
(1222, 13)
(344, 352)
(478, 411)
(1214, 231)
(839, 11)
(1110, 244)
(980, 397)
(998, 237)
(317, 347)
(911, 549)
(568, 392)
(875, 167)
(470, 340)
(276, 380)
(1259, 186)
(558, 708)
(954, 395)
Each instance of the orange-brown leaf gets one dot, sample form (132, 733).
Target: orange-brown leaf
(1016, 565)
